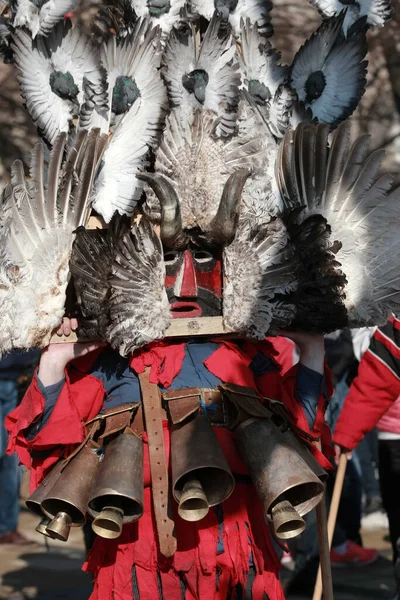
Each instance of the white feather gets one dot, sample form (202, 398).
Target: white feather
(36, 241)
(65, 50)
(340, 60)
(117, 187)
(166, 20)
(376, 11)
(217, 57)
(40, 21)
(257, 11)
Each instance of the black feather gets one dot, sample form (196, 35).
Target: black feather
(90, 265)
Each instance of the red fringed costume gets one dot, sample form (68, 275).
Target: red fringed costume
(228, 550)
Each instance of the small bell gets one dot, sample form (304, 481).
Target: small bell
(286, 521)
(60, 526)
(42, 526)
(193, 505)
(108, 524)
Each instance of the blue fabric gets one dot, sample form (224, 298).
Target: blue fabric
(309, 385)
(194, 373)
(219, 513)
(51, 394)
(10, 472)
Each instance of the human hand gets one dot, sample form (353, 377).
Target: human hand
(340, 450)
(56, 356)
(67, 326)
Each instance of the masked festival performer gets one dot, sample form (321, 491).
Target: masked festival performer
(230, 549)
(180, 438)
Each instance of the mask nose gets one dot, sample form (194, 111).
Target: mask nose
(186, 284)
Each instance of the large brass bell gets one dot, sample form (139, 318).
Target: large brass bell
(117, 495)
(200, 474)
(34, 502)
(315, 467)
(284, 483)
(67, 500)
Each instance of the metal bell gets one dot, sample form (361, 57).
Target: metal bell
(42, 526)
(193, 505)
(60, 526)
(200, 473)
(34, 502)
(277, 471)
(67, 500)
(315, 467)
(286, 521)
(117, 494)
(305, 454)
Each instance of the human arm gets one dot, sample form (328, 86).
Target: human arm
(302, 390)
(311, 348)
(55, 357)
(67, 401)
(303, 384)
(309, 373)
(375, 388)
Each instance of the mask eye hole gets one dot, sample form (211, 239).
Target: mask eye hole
(170, 257)
(202, 256)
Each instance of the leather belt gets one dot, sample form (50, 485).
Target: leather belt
(158, 464)
(181, 404)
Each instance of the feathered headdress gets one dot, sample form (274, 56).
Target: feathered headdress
(205, 140)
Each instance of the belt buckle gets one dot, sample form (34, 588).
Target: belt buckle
(224, 422)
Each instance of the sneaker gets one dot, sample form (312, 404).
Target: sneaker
(355, 555)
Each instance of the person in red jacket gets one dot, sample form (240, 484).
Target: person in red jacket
(230, 549)
(373, 400)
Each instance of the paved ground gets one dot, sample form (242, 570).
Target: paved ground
(52, 572)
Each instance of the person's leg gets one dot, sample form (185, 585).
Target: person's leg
(348, 522)
(9, 469)
(370, 483)
(349, 515)
(389, 477)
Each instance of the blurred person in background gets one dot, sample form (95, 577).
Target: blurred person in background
(373, 400)
(15, 373)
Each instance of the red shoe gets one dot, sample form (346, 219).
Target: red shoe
(355, 555)
(16, 538)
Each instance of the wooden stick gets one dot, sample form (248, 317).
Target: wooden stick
(325, 544)
(178, 328)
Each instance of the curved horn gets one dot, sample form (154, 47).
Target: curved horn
(223, 225)
(171, 233)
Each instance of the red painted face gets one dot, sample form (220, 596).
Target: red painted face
(193, 282)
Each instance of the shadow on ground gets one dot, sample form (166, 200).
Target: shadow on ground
(47, 576)
(372, 582)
